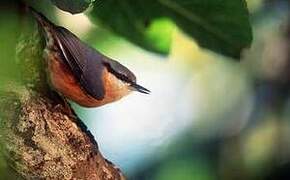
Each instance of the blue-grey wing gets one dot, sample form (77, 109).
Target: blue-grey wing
(84, 61)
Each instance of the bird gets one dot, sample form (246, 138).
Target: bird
(79, 72)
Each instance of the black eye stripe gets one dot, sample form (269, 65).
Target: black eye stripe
(120, 76)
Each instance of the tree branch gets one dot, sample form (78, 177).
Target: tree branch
(42, 138)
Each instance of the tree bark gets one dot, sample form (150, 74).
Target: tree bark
(41, 136)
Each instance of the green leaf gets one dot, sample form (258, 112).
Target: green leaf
(219, 25)
(133, 20)
(158, 35)
(72, 6)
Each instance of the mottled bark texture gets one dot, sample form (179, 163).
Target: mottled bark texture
(41, 137)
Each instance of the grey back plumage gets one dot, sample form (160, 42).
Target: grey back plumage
(84, 62)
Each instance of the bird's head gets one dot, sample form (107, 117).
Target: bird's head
(125, 77)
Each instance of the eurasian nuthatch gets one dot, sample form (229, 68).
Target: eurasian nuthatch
(79, 72)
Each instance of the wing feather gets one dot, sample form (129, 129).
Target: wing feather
(84, 62)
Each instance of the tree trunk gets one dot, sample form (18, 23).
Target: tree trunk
(41, 136)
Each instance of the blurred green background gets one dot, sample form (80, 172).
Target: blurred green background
(207, 117)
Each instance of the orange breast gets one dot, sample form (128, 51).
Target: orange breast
(62, 79)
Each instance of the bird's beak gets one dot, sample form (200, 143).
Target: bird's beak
(139, 88)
